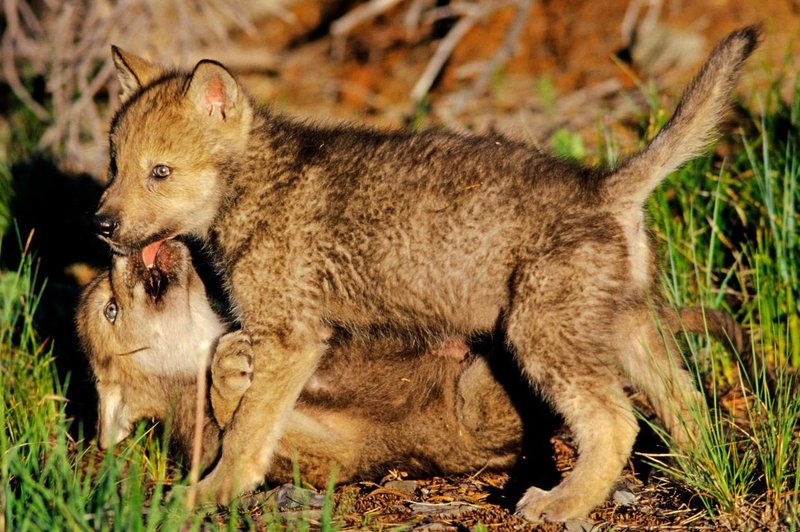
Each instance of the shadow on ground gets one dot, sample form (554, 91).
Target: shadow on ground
(537, 464)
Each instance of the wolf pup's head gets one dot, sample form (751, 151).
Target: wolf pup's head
(144, 330)
(167, 144)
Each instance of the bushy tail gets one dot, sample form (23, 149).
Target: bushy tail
(692, 127)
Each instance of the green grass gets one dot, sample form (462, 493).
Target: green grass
(51, 481)
(729, 234)
(727, 230)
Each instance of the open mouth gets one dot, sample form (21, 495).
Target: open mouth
(159, 261)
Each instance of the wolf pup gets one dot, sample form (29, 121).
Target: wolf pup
(317, 227)
(370, 406)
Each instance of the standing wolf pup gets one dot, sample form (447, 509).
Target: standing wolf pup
(440, 234)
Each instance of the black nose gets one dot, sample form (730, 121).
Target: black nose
(105, 225)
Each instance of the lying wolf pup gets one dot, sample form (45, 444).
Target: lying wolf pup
(368, 408)
(317, 228)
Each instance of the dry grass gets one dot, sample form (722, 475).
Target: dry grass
(66, 43)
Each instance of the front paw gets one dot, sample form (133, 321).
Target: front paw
(231, 374)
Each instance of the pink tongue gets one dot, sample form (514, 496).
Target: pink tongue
(149, 253)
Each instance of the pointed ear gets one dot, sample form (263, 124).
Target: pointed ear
(214, 92)
(133, 72)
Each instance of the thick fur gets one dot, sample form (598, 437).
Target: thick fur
(370, 406)
(317, 228)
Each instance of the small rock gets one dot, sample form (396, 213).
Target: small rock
(290, 497)
(426, 527)
(441, 510)
(403, 486)
(579, 525)
(624, 498)
(295, 518)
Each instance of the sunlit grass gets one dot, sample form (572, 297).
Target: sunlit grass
(729, 234)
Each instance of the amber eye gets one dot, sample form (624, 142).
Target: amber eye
(160, 171)
(110, 312)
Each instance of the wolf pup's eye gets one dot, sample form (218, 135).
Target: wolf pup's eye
(160, 171)
(110, 312)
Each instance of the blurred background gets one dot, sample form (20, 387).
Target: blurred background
(586, 79)
(583, 78)
(553, 72)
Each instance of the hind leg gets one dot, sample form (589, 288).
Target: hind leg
(596, 409)
(653, 362)
(562, 326)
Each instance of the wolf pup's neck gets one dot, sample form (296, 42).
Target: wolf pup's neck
(262, 177)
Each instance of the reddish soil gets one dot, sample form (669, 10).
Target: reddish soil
(564, 72)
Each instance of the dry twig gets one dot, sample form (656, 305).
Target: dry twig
(425, 12)
(67, 43)
(344, 25)
(470, 15)
(197, 443)
(500, 58)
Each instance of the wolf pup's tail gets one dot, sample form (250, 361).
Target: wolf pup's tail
(690, 129)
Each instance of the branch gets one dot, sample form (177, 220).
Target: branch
(341, 27)
(471, 14)
(500, 58)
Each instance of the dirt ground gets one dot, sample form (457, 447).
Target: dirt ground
(641, 499)
(464, 502)
(572, 70)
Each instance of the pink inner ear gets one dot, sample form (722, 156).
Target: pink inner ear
(215, 96)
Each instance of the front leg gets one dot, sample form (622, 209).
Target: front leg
(231, 374)
(282, 363)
